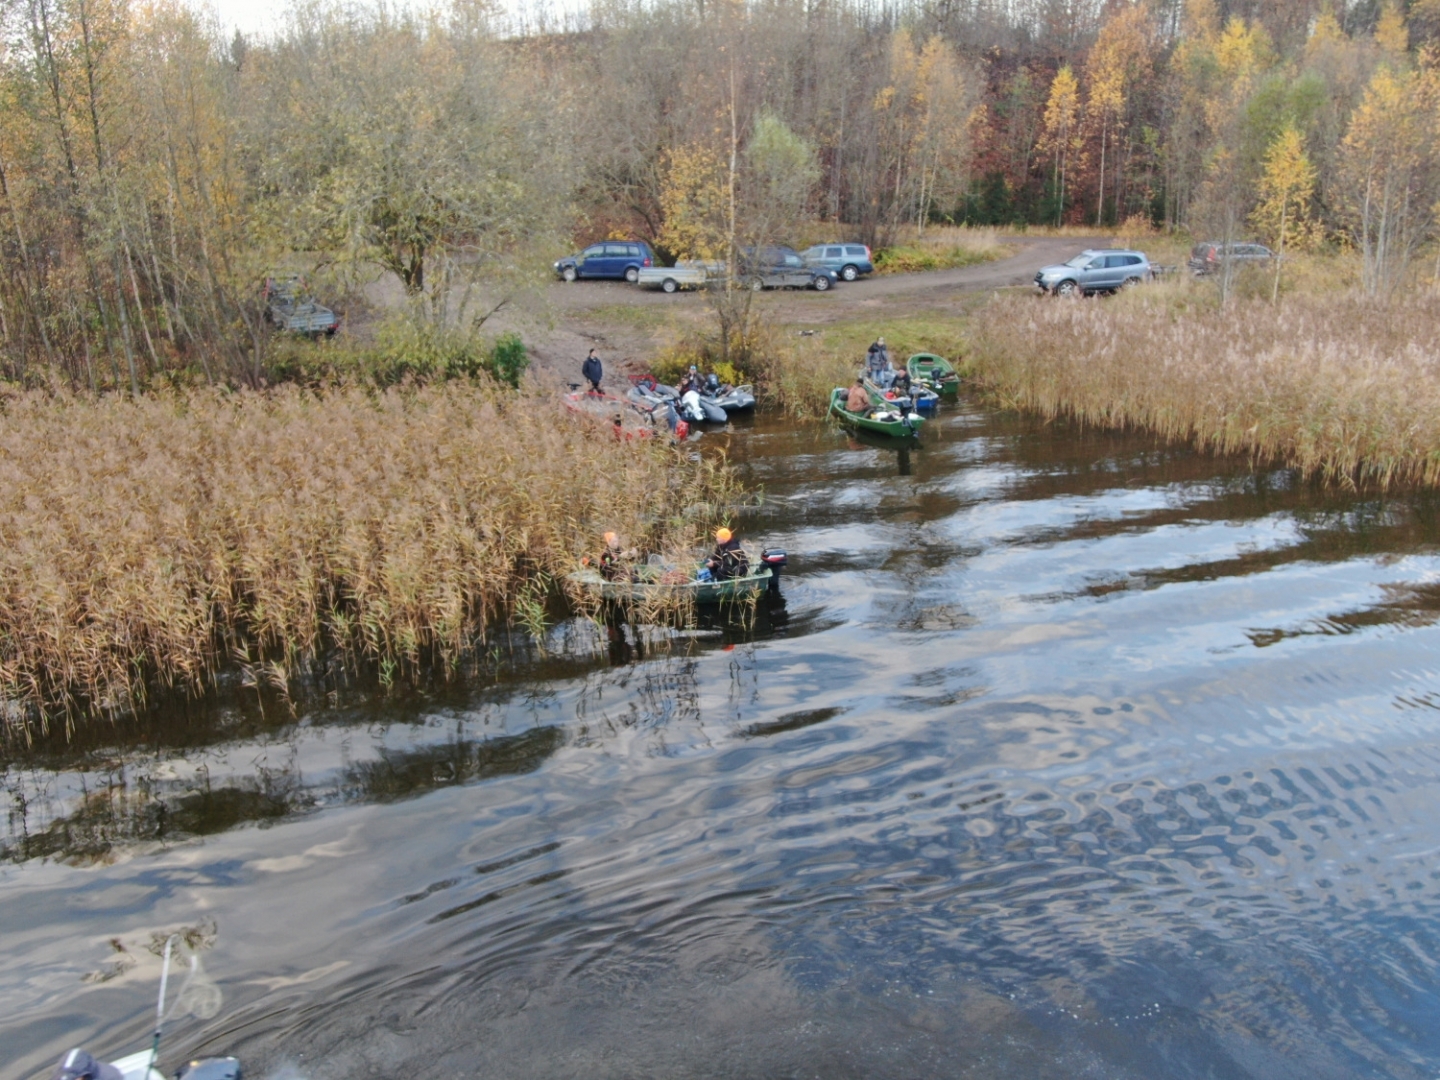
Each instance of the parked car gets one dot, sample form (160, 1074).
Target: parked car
(847, 260)
(612, 259)
(685, 274)
(777, 267)
(1208, 257)
(287, 307)
(1094, 271)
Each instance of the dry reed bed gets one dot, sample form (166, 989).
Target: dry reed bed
(1337, 386)
(151, 541)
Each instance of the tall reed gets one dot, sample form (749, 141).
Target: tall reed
(148, 542)
(1338, 386)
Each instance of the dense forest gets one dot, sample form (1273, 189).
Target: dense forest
(153, 170)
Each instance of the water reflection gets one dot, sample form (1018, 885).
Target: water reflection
(1063, 753)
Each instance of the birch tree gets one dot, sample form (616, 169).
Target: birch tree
(1283, 215)
(1388, 174)
(1061, 132)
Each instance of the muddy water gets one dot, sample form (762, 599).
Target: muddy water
(1063, 756)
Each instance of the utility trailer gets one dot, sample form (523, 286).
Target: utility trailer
(287, 308)
(685, 274)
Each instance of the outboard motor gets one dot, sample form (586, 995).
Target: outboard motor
(776, 560)
(224, 1068)
(712, 384)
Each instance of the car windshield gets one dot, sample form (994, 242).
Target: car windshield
(1081, 260)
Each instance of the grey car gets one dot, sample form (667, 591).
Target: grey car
(848, 260)
(1094, 271)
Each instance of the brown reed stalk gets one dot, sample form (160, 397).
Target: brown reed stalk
(146, 542)
(1341, 387)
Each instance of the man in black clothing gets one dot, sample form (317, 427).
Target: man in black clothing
(727, 560)
(592, 371)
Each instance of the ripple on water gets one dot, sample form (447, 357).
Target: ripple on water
(1065, 755)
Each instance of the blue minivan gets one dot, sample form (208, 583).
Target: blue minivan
(612, 259)
(847, 260)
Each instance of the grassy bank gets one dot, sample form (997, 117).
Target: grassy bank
(939, 248)
(150, 542)
(1339, 386)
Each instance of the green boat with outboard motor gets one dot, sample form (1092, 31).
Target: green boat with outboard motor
(658, 582)
(882, 418)
(934, 373)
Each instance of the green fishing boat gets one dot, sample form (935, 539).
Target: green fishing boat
(655, 585)
(886, 420)
(934, 373)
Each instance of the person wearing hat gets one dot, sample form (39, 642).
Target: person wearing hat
(877, 365)
(728, 559)
(614, 563)
(592, 371)
(691, 381)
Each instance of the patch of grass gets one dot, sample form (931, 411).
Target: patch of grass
(633, 316)
(939, 249)
(149, 543)
(404, 350)
(1340, 385)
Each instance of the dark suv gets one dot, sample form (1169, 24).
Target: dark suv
(612, 259)
(777, 267)
(1208, 257)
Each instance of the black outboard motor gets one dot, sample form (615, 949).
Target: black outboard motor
(776, 560)
(225, 1068)
(712, 384)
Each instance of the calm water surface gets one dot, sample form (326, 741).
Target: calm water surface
(1064, 756)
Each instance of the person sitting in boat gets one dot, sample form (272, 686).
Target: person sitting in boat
(691, 381)
(616, 564)
(859, 398)
(592, 371)
(728, 560)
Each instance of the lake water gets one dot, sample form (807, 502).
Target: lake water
(1064, 755)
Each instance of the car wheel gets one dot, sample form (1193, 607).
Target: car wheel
(669, 285)
(849, 273)
(1130, 283)
(569, 273)
(632, 274)
(821, 284)
(1067, 288)
(756, 284)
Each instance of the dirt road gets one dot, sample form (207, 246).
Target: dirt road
(625, 322)
(1018, 269)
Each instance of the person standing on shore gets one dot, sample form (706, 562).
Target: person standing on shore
(592, 371)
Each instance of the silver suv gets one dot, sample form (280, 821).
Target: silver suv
(1094, 271)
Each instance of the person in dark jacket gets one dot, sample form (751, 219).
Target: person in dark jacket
(592, 371)
(727, 560)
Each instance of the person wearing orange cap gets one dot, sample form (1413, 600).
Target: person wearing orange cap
(613, 562)
(728, 560)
